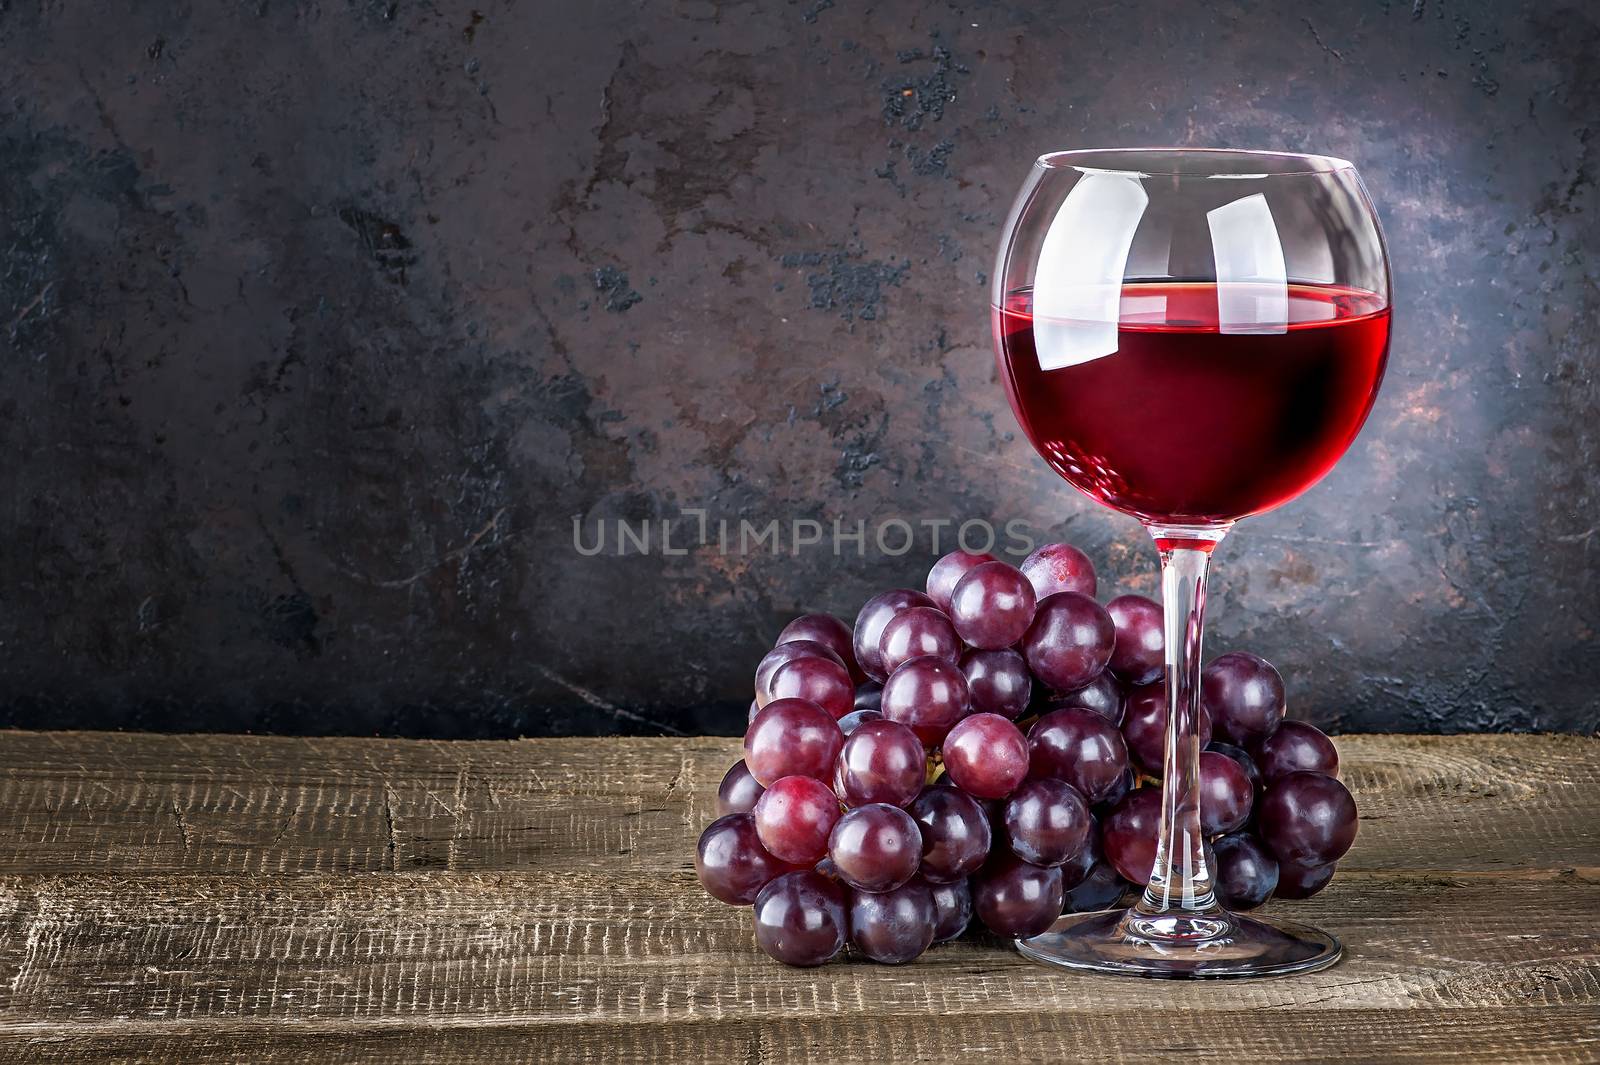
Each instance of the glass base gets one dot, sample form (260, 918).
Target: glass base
(1215, 946)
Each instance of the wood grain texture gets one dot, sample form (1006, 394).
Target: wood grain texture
(237, 898)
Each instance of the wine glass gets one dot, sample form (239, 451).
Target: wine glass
(1189, 336)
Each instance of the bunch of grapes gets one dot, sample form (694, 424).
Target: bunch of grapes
(992, 748)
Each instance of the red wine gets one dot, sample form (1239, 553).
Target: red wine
(1186, 424)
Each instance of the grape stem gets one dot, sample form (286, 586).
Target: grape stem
(1179, 902)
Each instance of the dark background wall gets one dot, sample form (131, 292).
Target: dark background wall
(319, 323)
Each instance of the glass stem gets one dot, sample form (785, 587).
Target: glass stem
(1181, 882)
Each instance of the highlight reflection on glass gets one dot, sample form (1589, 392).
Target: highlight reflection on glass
(1189, 337)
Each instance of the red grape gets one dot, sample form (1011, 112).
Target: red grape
(1246, 872)
(986, 756)
(1069, 642)
(1128, 834)
(1302, 881)
(1144, 726)
(1138, 657)
(998, 682)
(875, 847)
(783, 654)
(947, 573)
(794, 818)
(1047, 822)
(1074, 869)
(1241, 756)
(955, 833)
(928, 695)
(1225, 794)
(1307, 818)
(856, 718)
(827, 630)
(755, 708)
(1244, 696)
(816, 679)
(918, 631)
(893, 926)
(801, 918)
(992, 606)
(1295, 746)
(738, 792)
(875, 614)
(732, 863)
(1059, 568)
(953, 903)
(1081, 748)
(1015, 898)
(882, 761)
(1103, 695)
(792, 737)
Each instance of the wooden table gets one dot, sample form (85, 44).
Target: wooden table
(188, 899)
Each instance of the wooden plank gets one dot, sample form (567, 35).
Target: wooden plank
(236, 898)
(1468, 1037)
(549, 948)
(143, 804)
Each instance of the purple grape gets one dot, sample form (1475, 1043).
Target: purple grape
(1246, 872)
(818, 680)
(947, 573)
(828, 631)
(998, 682)
(992, 606)
(1077, 867)
(801, 918)
(1047, 822)
(781, 656)
(1059, 568)
(918, 631)
(928, 695)
(1100, 889)
(1307, 819)
(732, 863)
(794, 818)
(869, 696)
(755, 708)
(1014, 898)
(792, 737)
(738, 792)
(1119, 791)
(1091, 882)
(875, 614)
(855, 719)
(875, 847)
(1242, 757)
(1128, 834)
(1103, 695)
(1144, 726)
(986, 756)
(1244, 696)
(1069, 642)
(896, 926)
(955, 833)
(881, 761)
(1081, 748)
(1139, 654)
(1225, 794)
(1302, 881)
(1295, 746)
(953, 903)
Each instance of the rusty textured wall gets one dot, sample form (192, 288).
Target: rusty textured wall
(320, 322)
